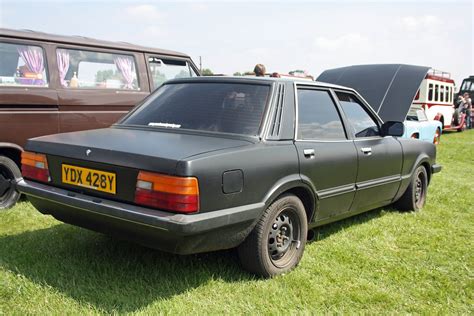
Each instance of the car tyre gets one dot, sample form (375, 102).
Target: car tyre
(276, 244)
(9, 172)
(414, 197)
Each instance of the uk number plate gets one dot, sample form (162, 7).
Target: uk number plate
(89, 178)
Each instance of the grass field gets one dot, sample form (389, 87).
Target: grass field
(383, 261)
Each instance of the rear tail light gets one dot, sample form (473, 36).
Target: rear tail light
(178, 194)
(34, 166)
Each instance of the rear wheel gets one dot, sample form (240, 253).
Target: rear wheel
(414, 197)
(9, 172)
(277, 242)
(437, 137)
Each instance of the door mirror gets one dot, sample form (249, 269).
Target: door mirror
(392, 128)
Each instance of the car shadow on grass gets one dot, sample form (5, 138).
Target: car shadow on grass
(118, 276)
(112, 275)
(327, 230)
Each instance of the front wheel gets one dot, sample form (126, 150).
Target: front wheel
(9, 172)
(414, 197)
(277, 242)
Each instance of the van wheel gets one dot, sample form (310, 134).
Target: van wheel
(414, 197)
(277, 242)
(9, 172)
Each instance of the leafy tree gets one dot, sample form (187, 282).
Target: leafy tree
(207, 72)
(104, 75)
(237, 74)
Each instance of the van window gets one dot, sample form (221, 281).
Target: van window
(430, 92)
(96, 70)
(166, 69)
(22, 65)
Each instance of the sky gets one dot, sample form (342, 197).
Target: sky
(233, 36)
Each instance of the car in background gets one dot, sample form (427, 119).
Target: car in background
(418, 126)
(54, 84)
(214, 163)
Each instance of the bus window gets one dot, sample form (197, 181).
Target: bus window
(430, 92)
(436, 92)
(441, 93)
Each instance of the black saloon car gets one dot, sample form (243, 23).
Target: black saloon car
(214, 163)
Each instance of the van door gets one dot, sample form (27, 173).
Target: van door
(98, 87)
(29, 105)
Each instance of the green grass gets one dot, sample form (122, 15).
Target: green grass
(383, 261)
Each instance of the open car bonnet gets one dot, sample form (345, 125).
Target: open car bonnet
(388, 88)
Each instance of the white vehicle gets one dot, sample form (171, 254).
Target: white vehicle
(436, 96)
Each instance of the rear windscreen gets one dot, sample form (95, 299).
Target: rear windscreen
(215, 107)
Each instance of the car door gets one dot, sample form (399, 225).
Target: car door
(328, 159)
(380, 158)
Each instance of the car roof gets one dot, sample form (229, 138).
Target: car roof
(266, 80)
(86, 41)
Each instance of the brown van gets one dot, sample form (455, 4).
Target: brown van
(54, 84)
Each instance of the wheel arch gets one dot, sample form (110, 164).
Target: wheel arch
(294, 185)
(12, 151)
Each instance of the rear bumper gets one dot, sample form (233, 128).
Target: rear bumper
(176, 233)
(436, 168)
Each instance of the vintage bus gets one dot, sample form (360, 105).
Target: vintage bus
(436, 96)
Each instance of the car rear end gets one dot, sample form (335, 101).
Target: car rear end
(124, 181)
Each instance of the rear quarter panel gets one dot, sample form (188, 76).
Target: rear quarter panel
(266, 168)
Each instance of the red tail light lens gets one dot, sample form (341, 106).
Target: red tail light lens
(34, 166)
(178, 194)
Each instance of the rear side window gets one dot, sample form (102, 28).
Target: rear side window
(96, 70)
(318, 118)
(162, 70)
(22, 65)
(215, 107)
(363, 125)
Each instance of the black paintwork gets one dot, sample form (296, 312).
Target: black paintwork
(388, 88)
(239, 176)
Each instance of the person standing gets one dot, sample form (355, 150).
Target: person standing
(468, 109)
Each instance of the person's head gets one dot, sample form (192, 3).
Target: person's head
(259, 70)
(466, 95)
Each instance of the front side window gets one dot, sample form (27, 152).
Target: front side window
(363, 125)
(96, 70)
(22, 65)
(166, 69)
(318, 118)
(214, 107)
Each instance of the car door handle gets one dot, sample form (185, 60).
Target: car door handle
(366, 151)
(308, 153)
